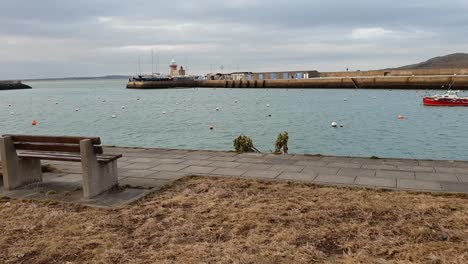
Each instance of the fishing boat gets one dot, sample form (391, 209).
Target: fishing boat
(450, 98)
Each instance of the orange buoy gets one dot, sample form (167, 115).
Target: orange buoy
(211, 127)
(401, 117)
(34, 122)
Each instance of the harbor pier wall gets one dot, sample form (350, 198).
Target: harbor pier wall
(379, 82)
(11, 85)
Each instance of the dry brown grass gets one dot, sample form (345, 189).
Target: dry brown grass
(221, 220)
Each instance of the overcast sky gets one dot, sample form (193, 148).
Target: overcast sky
(58, 38)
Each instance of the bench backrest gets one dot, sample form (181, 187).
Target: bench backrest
(53, 143)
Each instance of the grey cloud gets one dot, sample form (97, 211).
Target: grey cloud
(105, 36)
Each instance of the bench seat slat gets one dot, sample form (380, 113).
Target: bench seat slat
(52, 139)
(65, 156)
(60, 147)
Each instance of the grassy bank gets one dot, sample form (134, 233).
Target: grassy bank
(217, 220)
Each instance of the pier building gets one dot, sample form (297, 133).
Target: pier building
(252, 76)
(174, 72)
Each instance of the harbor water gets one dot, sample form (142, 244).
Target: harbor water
(181, 118)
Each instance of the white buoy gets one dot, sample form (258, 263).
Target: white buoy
(164, 112)
(123, 107)
(268, 105)
(341, 125)
(114, 116)
(334, 124)
(77, 109)
(217, 109)
(12, 113)
(346, 99)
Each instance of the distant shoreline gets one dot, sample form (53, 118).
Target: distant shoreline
(110, 77)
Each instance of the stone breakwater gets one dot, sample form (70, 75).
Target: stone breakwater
(11, 85)
(365, 82)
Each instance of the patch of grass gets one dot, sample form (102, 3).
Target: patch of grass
(224, 220)
(374, 157)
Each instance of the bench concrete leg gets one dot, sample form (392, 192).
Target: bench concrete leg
(97, 177)
(16, 171)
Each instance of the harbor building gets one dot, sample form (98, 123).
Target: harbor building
(174, 72)
(281, 75)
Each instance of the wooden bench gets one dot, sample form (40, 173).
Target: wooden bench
(22, 155)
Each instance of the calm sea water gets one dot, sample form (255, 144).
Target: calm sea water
(369, 118)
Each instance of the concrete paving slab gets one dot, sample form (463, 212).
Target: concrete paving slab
(344, 165)
(198, 170)
(196, 162)
(299, 157)
(415, 168)
(225, 164)
(311, 163)
(376, 182)
(180, 151)
(254, 166)
(379, 167)
(418, 185)
(224, 154)
(282, 161)
(279, 157)
(289, 168)
(451, 170)
(333, 159)
(269, 174)
(171, 156)
(170, 167)
(462, 177)
(439, 163)
(461, 164)
(321, 170)
(170, 161)
(251, 155)
(144, 182)
(253, 160)
(356, 172)
(140, 166)
(429, 176)
(398, 162)
(216, 158)
(135, 173)
(395, 174)
(295, 176)
(324, 178)
(455, 187)
(229, 171)
(142, 160)
(196, 156)
(167, 175)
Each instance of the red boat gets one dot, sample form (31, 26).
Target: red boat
(450, 98)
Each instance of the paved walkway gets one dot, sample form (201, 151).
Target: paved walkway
(157, 167)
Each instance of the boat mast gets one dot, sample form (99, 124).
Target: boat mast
(152, 62)
(139, 66)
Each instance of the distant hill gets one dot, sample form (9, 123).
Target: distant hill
(451, 61)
